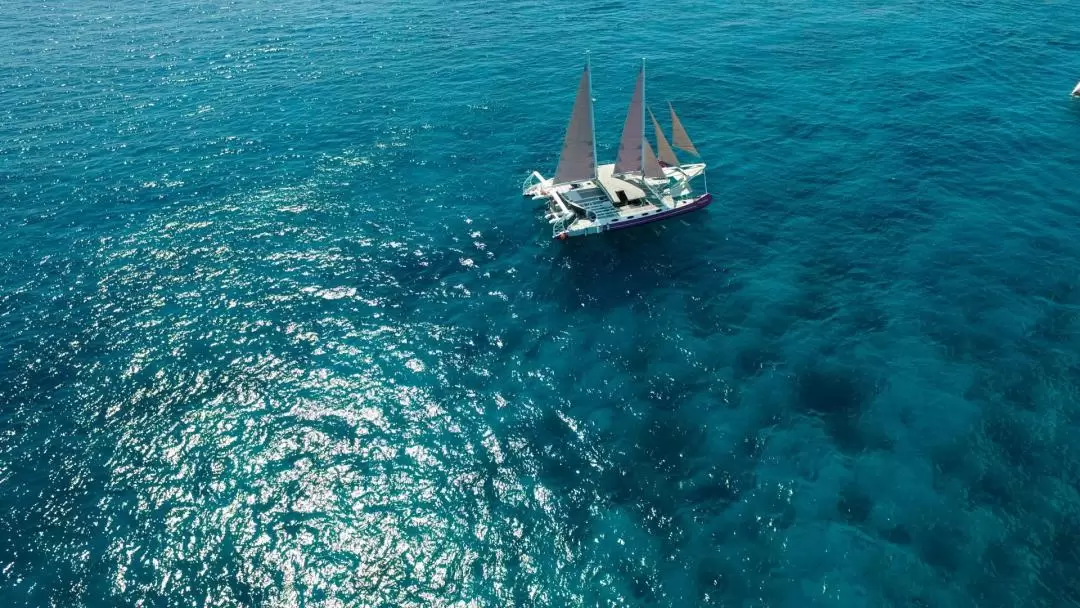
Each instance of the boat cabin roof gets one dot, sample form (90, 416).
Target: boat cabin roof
(613, 185)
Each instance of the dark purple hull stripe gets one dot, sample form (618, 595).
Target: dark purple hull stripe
(701, 202)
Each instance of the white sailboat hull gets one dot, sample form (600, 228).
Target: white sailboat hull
(601, 205)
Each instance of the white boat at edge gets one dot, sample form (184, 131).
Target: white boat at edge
(585, 198)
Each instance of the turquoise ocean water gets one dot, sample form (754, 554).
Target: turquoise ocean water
(277, 328)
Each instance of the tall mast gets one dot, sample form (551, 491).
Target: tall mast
(643, 116)
(649, 167)
(592, 114)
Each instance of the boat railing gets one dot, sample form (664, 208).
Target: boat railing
(558, 226)
(531, 182)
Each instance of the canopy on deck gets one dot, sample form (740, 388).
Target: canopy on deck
(613, 185)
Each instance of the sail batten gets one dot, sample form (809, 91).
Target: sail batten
(631, 158)
(679, 138)
(667, 155)
(577, 162)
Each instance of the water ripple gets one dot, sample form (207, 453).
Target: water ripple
(276, 329)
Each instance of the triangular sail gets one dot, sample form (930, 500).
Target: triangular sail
(678, 134)
(667, 155)
(577, 162)
(631, 157)
(653, 170)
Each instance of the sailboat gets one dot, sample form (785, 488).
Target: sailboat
(640, 187)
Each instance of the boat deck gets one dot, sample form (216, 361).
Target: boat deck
(593, 201)
(608, 201)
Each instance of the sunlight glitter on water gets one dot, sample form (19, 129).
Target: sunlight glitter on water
(295, 463)
(278, 329)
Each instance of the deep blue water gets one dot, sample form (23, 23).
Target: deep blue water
(277, 329)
